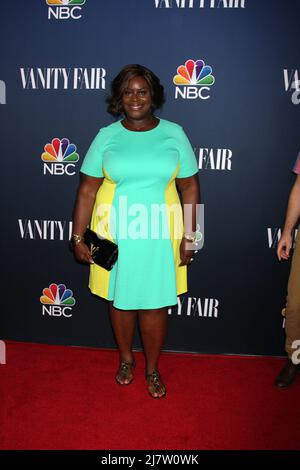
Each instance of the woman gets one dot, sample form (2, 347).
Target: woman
(133, 165)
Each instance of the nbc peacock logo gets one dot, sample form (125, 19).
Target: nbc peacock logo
(64, 9)
(65, 2)
(193, 80)
(57, 301)
(60, 157)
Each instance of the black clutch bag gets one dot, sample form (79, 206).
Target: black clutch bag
(103, 251)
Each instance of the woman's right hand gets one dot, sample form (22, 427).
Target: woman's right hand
(82, 253)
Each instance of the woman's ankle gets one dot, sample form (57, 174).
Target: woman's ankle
(127, 357)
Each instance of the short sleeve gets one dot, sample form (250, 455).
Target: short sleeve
(92, 162)
(296, 168)
(188, 164)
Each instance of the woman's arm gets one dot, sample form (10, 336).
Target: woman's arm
(189, 189)
(292, 216)
(84, 203)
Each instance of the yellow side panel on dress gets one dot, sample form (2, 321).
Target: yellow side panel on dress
(99, 277)
(175, 221)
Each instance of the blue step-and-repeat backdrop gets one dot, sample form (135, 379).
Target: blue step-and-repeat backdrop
(57, 62)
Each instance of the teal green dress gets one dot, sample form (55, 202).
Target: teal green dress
(138, 207)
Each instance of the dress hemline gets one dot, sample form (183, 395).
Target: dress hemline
(137, 307)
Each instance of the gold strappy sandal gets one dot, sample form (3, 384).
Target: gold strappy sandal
(124, 372)
(155, 381)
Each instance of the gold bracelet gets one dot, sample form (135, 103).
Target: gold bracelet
(196, 237)
(76, 239)
(189, 237)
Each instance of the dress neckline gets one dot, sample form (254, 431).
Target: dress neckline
(141, 132)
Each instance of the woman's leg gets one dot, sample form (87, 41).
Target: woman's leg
(153, 326)
(123, 324)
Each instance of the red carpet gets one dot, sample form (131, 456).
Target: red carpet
(56, 397)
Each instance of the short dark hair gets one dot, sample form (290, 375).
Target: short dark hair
(119, 84)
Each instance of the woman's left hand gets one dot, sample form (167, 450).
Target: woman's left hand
(186, 254)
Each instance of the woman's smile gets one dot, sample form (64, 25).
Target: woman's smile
(135, 107)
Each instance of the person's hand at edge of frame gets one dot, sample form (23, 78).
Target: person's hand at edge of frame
(284, 247)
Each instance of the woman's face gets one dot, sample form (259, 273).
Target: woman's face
(136, 99)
